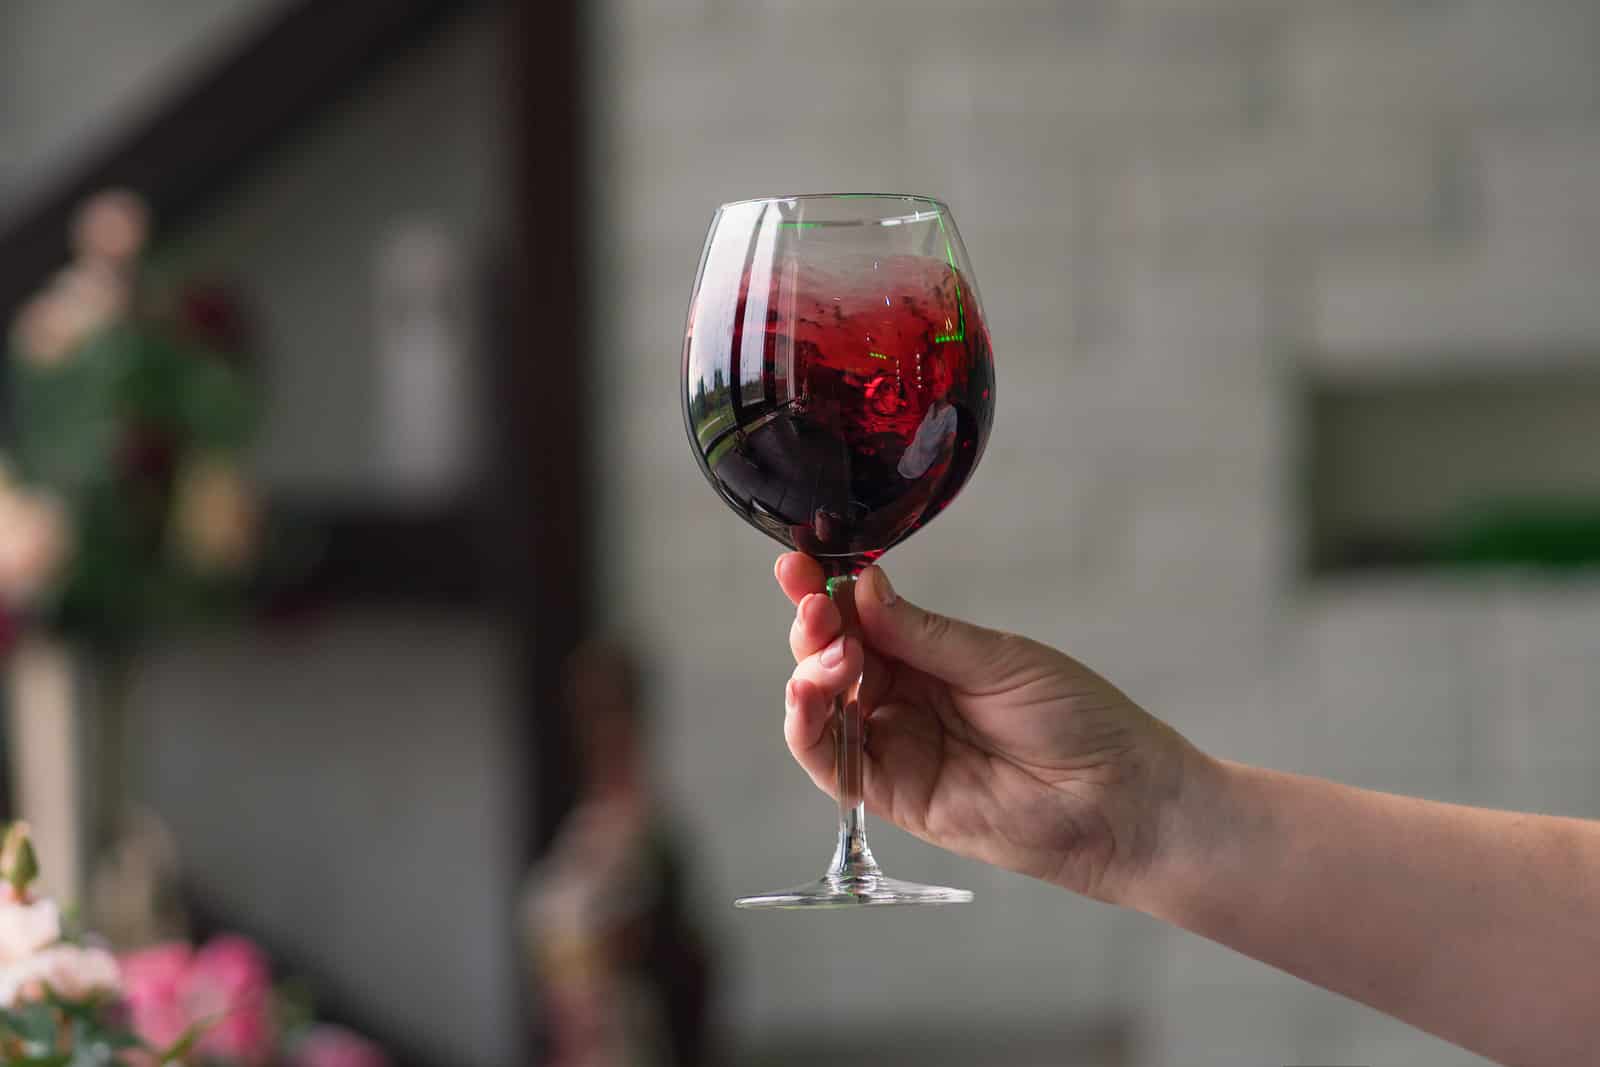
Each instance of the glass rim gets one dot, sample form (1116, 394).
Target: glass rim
(913, 197)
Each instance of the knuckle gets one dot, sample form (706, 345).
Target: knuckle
(1011, 651)
(1009, 646)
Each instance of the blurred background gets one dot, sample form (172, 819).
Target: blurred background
(1298, 355)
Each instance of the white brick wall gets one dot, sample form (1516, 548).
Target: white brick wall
(1467, 60)
(1538, 189)
(1211, 1007)
(1544, 716)
(1392, 675)
(1175, 207)
(1369, 313)
(1332, 182)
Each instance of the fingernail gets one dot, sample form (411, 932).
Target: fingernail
(811, 605)
(833, 655)
(880, 582)
(788, 695)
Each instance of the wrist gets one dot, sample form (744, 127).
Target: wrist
(1187, 827)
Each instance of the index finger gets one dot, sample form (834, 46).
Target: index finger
(799, 575)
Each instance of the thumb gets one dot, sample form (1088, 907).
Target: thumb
(948, 649)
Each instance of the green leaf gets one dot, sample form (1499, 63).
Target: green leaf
(85, 1011)
(72, 931)
(185, 1044)
(122, 1039)
(68, 414)
(216, 411)
(294, 1005)
(89, 1047)
(18, 863)
(52, 1060)
(34, 1023)
(25, 868)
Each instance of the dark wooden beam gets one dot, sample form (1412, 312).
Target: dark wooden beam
(546, 380)
(542, 384)
(325, 554)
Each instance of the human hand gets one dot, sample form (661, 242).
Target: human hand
(985, 743)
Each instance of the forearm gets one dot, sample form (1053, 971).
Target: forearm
(1482, 927)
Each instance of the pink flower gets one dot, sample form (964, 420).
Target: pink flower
(71, 972)
(230, 981)
(334, 1046)
(26, 927)
(226, 987)
(153, 982)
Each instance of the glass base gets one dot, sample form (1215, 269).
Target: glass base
(855, 891)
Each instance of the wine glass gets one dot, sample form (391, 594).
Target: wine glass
(838, 391)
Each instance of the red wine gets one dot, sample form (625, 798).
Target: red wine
(840, 410)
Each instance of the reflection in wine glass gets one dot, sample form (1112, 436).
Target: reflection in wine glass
(935, 434)
(825, 527)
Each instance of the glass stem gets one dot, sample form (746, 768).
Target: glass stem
(851, 857)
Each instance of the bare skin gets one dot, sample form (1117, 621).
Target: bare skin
(1482, 927)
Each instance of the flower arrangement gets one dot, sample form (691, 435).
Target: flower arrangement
(123, 504)
(67, 1002)
(58, 996)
